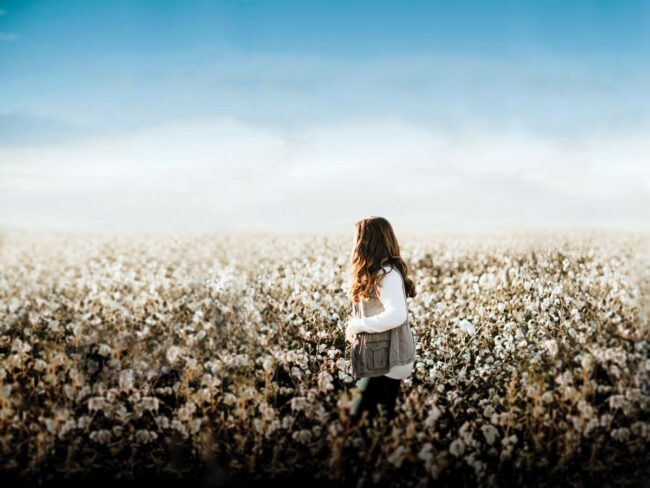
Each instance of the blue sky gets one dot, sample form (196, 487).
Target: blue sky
(480, 114)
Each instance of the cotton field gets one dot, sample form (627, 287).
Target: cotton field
(219, 358)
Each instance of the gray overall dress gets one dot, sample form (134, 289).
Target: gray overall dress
(374, 354)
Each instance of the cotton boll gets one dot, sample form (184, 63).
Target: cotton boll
(467, 327)
(457, 447)
(551, 347)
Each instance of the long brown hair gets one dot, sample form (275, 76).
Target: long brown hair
(375, 246)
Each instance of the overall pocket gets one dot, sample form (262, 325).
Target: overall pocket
(377, 354)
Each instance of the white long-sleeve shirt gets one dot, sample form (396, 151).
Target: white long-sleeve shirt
(392, 297)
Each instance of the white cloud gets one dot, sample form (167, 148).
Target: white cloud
(217, 173)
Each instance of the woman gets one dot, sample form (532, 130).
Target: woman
(378, 272)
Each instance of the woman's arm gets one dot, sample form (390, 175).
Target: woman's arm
(392, 298)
